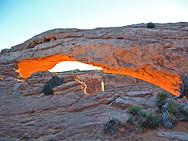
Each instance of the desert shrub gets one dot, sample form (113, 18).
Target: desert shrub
(53, 82)
(152, 120)
(144, 119)
(47, 89)
(168, 119)
(134, 110)
(172, 107)
(140, 125)
(161, 99)
(111, 126)
(150, 25)
(183, 87)
(148, 120)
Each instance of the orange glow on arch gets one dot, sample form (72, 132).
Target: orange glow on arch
(161, 78)
(165, 80)
(29, 66)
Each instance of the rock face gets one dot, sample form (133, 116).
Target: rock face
(26, 113)
(174, 135)
(156, 55)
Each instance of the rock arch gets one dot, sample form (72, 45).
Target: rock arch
(155, 55)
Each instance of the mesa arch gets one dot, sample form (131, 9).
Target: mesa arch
(155, 55)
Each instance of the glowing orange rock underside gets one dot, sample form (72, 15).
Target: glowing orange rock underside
(29, 66)
(165, 80)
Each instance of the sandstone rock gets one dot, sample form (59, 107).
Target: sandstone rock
(173, 135)
(155, 55)
(124, 102)
(27, 114)
(139, 93)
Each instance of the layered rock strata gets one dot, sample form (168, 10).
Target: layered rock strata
(27, 114)
(157, 55)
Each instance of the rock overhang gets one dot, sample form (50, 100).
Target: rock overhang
(155, 55)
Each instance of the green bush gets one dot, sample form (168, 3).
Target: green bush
(53, 82)
(161, 99)
(134, 110)
(172, 107)
(111, 126)
(148, 121)
(152, 120)
(47, 89)
(150, 25)
(169, 120)
(144, 119)
(135, 113)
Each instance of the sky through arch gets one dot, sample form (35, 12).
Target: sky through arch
(72, 65)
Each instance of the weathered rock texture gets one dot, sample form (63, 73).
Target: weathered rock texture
(156, 55)
(182, 136)
(27, 114)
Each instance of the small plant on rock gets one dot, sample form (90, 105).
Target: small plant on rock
(172, 107)
(53, 82)
(111, 126)
(150, 25)
(168, 119)
(47, 89)
(161, 99)
(144, 119)
(147, 121)
(152, 120)
(134, 110)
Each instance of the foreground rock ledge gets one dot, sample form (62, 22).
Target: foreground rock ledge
(156, 55)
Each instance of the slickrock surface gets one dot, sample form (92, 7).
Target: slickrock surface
(157, 55)
(27, 114)
(174, 135)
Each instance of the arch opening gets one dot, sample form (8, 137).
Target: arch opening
(73, 65)
(60, 63)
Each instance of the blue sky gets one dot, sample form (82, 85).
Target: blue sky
(22, 19)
